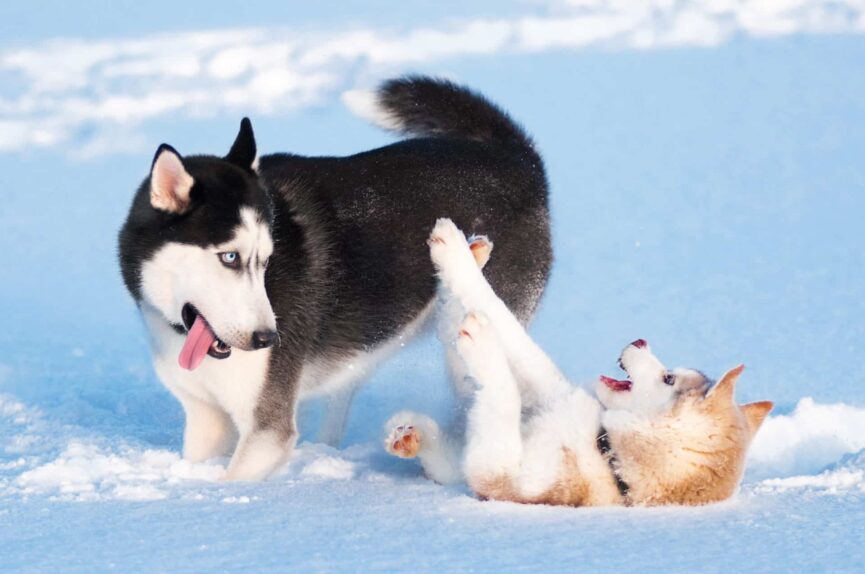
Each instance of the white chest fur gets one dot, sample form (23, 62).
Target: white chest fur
(233, 384)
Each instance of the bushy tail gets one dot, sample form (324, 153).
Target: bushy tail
(424, 106)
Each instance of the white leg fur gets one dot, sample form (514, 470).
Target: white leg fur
(495, 445)
(458, 273)
(258, 454)
(438, 453)
(494, 441)
(208, 431)
(451, 313)
(336, 415)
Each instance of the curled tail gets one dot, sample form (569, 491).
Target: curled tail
(424, 106)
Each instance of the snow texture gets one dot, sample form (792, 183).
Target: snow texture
(111, 86)
(705, 162)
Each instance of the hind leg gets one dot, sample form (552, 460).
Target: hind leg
(459, 276)
(493, 438)
(336, 414)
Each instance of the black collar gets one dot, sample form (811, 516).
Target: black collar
(603, 442)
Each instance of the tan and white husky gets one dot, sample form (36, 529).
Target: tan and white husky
(660, 436)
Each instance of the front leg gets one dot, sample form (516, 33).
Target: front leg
(459, 275)
(259, 453)
(494, 442)
(208, 431)
(413, 435)
(268, 431)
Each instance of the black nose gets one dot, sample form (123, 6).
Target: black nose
(264, 339)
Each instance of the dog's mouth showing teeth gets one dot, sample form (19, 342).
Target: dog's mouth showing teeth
(200, 340)
(617, 385)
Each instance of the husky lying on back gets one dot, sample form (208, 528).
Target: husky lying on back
(266, 281)
(658, 437)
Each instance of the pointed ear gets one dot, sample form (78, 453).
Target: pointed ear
(170, 183)
(726, 386)
(755, 414)
(243, 151)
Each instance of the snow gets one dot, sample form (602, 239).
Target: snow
(807, 440)
(707, 196)
(105, 86)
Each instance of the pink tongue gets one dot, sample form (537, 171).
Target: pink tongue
(198, 341)
(615, 384)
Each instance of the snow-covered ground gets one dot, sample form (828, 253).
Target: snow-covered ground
(708, 186)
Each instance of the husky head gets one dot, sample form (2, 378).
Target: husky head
(649, 387)
(196, 244)
(678, 439)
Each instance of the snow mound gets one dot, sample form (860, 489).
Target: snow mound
(330, 467)
(86, 472)
(806, 441)
(847, 476)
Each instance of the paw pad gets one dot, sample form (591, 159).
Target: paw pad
(404, 441)
(473, 324)
(481, 248)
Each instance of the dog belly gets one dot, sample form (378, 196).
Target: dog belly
(329, 376)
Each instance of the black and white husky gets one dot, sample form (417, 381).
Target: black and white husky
(266, 280)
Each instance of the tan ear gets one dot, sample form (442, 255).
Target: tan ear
(170, 184)
(755, 414)
(726, 387)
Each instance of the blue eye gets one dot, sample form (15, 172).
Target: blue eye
(230, 259)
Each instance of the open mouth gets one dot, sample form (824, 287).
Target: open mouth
(617, 385)
(200, 340)
(622, 385)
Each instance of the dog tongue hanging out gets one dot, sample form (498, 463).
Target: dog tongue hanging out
(198, 342)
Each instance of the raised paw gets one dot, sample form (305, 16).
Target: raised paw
(403, 441)
(448, 245)
(446, 231)
(481, 247)
(456, 264)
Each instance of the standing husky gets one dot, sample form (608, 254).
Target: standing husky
(659, 437)
(265, 280)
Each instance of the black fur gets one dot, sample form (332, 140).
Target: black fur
(221, 188)
(351, 266)
(243, 151)
(424, 107)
